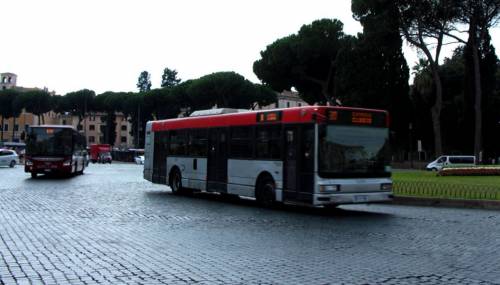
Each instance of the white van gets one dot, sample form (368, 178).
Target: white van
(451, 161)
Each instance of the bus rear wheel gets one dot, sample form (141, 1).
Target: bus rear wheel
(176, 182)
(266, 192)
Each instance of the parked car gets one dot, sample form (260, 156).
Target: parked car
(8, 158)
(97, 151)
(451, 161)
(105, 157)
(139, 159)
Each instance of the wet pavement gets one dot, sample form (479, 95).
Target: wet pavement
(110, 226)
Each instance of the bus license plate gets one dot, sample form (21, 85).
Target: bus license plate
(360, 198)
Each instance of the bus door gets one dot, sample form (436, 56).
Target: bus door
(290, 177)
(298, 182)
(306, 163)
(159, 158)
(217, 160)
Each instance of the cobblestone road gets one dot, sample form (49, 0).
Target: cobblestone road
(110, 226)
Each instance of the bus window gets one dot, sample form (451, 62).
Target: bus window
(267, 143)
(178, 143)
(241, 142)
(197, 143)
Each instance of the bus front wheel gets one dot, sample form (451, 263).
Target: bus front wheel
(33, 175)
(81, 171)
(266, 192)
(176, 182)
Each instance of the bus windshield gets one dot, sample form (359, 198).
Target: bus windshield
(50, 142)
(353, 152)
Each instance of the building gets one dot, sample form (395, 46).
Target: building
(13, 128)
(8, 80)
(93, 125)
(286, 99)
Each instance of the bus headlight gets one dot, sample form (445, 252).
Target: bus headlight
(386, 186)
(67, 163)
(29, 163)
(329, 188)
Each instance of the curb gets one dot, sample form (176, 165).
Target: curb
(452, 203)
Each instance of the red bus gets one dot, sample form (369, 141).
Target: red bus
(55, 149)
(313, 155)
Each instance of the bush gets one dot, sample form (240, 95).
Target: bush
(427, 185)
(470, 171)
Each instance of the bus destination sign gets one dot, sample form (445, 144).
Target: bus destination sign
(347, 117)
(268, 117)
(362, 118)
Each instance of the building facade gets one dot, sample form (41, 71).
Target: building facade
(94, 128)
(93, 125)
(286, 99)
(7, 80)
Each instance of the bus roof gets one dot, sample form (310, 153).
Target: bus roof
(288, 115)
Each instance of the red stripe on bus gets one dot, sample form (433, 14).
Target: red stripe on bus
(290, 115)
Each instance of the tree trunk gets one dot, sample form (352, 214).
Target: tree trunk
(478, 114)
(326, 94)
(475, 39)
(330, 83)
(1, 138)
(436, 113)
(13, 128)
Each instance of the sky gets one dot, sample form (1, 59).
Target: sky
(103, 45)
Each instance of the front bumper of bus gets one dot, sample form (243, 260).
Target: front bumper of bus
(351, 198)
(40, 167)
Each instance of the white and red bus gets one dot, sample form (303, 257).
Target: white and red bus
(307, 155)
(55, 149)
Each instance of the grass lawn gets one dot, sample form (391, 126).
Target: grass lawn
(428, 184)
